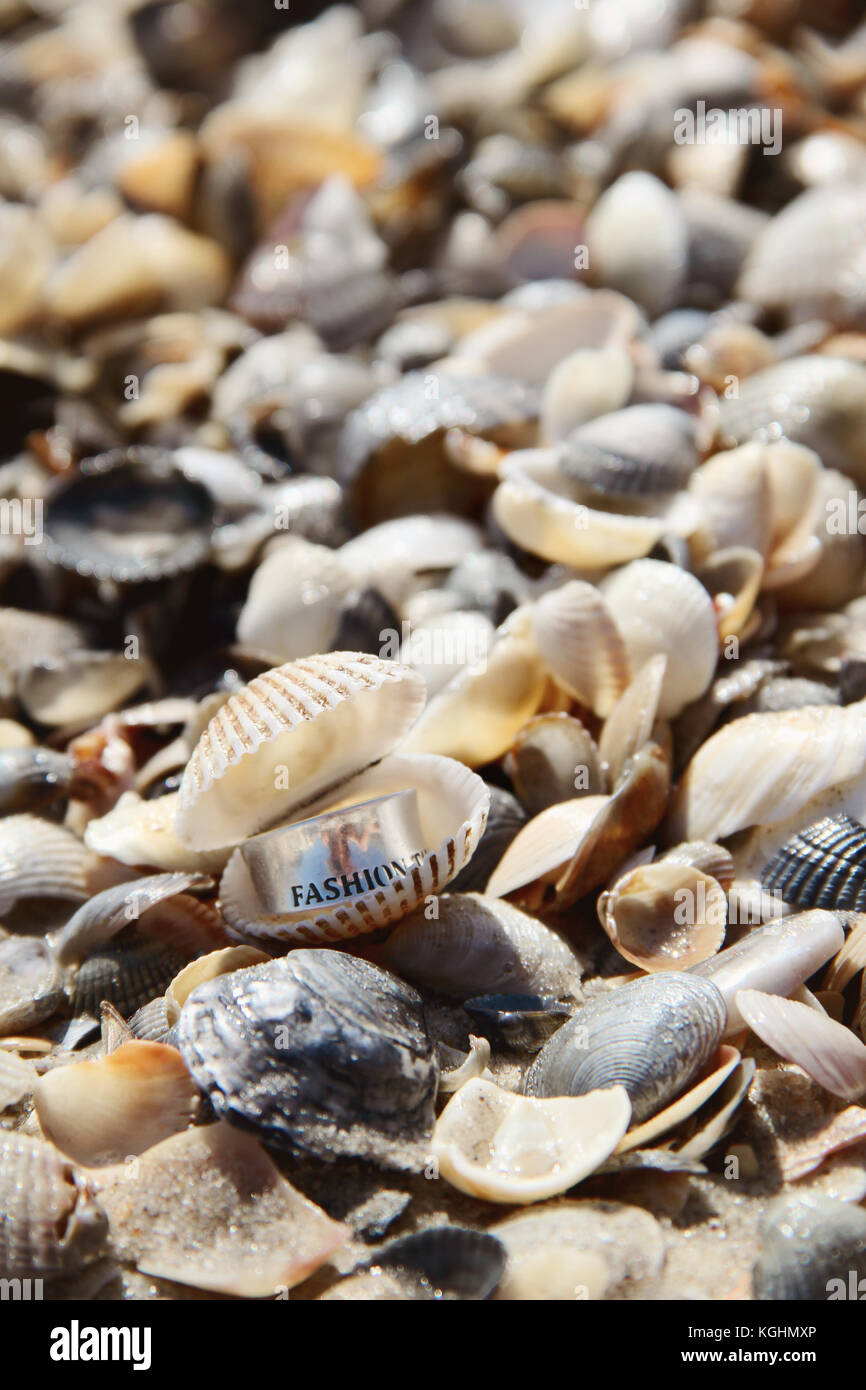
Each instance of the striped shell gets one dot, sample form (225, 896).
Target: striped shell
(51, 1224)
(822, 866)
(452, 805)
(321, 719)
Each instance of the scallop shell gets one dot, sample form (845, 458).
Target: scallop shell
(502, 1147)
(662, 610)
(102, 1111)
(643, 449)
(652, 1037)
(575, 618)
(324, 717)
(664, 916)
(351, 1072)
(822, 866)
(777, 958)
(481, 945)
(452, 807)
(51, 1224)
(810, 1247)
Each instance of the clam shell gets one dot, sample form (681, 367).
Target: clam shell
(574, 619)
(662, 610)
(351, 1072)
(481, 945)
(51, 1224)
(102, 1111)
(710, 859)
(640, 450)
(452, 806)
(827, 1051)
(685, 1105)
(553, 757)
(502, 1147)
(324, 717)
(665, 916)
(31, 986)
(652, 1037)
(79, 688)
(128, 975)
(822, 866)
(810, 1246)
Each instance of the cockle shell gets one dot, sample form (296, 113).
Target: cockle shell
(652, 1036)
(51, 1224)
(452, 808)
(108, 912)
(128, 975)
(575, 617)
(441, 1263)
(481, 945)
(638, 241)
(630, 722)
(587, 383)
(664, 916)
(321, 718)
(829, 1052)
(102, 1111)
(142, 833)
(317, 1053)
(508, 1148)
(643, 449)
(41, 859)
(662, 610)
(822, 866)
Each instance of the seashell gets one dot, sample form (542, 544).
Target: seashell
(478, 945)
(815, 400)
(708, 858)
(41, 860)
(474, 1064)
(208, 967)
(639, 450)
(489, 582)
(661, 610)
(777, 958)
(822, 866)
(294, 601)
(716, 1118)
(733, 578)
(101, 1111)
(553, 757)
(444, 1263)
(589, 383)
(14, 735)
(523, 1021)
(793, 755)
(79, 688)
(507, 1148)
(827, 1051)
(350, 1023)
(834, 575)
(575, 618)
(811, 1245)
(734, 492)
(652, 1037)
(390, 556)
(728, 350)
(665, 916)
(52, 1223)
(540, 509)
(142, 833)
(446, 645)
(29, 638)
(630, 722)
(505, 818)
(392, 459)
(31, 986)
(17, 1079)
(638, 241)
(356, 706)
(128, 975)
(136, 263)
(548, 1248)
(452, 810)
(785, 271)
(788, 692)
(149, 1023)
(108, 912)
(245, 1232)
(31, 778)
(721, 1067)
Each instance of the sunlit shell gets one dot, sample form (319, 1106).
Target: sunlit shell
(638, 241)
(293, 604)
(587, 383)
(323, 718)
(822, 866)
(507, 1148)
(142, 833)
(101, 1111)
(40, 859)
(481, 945)
(576, 620)
(829, 1052)
(31, 986)
(630, 721)
(108, 912)
(446, 644)
(452, 808)
(207, 967)
(681, 1109)
(662, 610)
(733, 579)
(664, 916)
(245, 1231)
(52, 1225)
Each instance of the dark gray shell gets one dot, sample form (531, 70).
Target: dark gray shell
(318, 1053)
(31, 986)
(445, 1263)
(31, 778)
(523, 1021)
(504, 819)
(128, 976)
(807, 1241)
(822, 866)
(652, 1036)
(50, 1224)
(129, 516)
(640, 450)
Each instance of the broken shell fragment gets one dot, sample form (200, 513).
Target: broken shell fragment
(829, 1052)
(52, 1225)
(107, 913)
(507, 1148)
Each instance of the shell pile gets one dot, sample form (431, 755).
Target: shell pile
(412, 405)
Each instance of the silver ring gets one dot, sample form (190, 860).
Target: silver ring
(337, 856)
